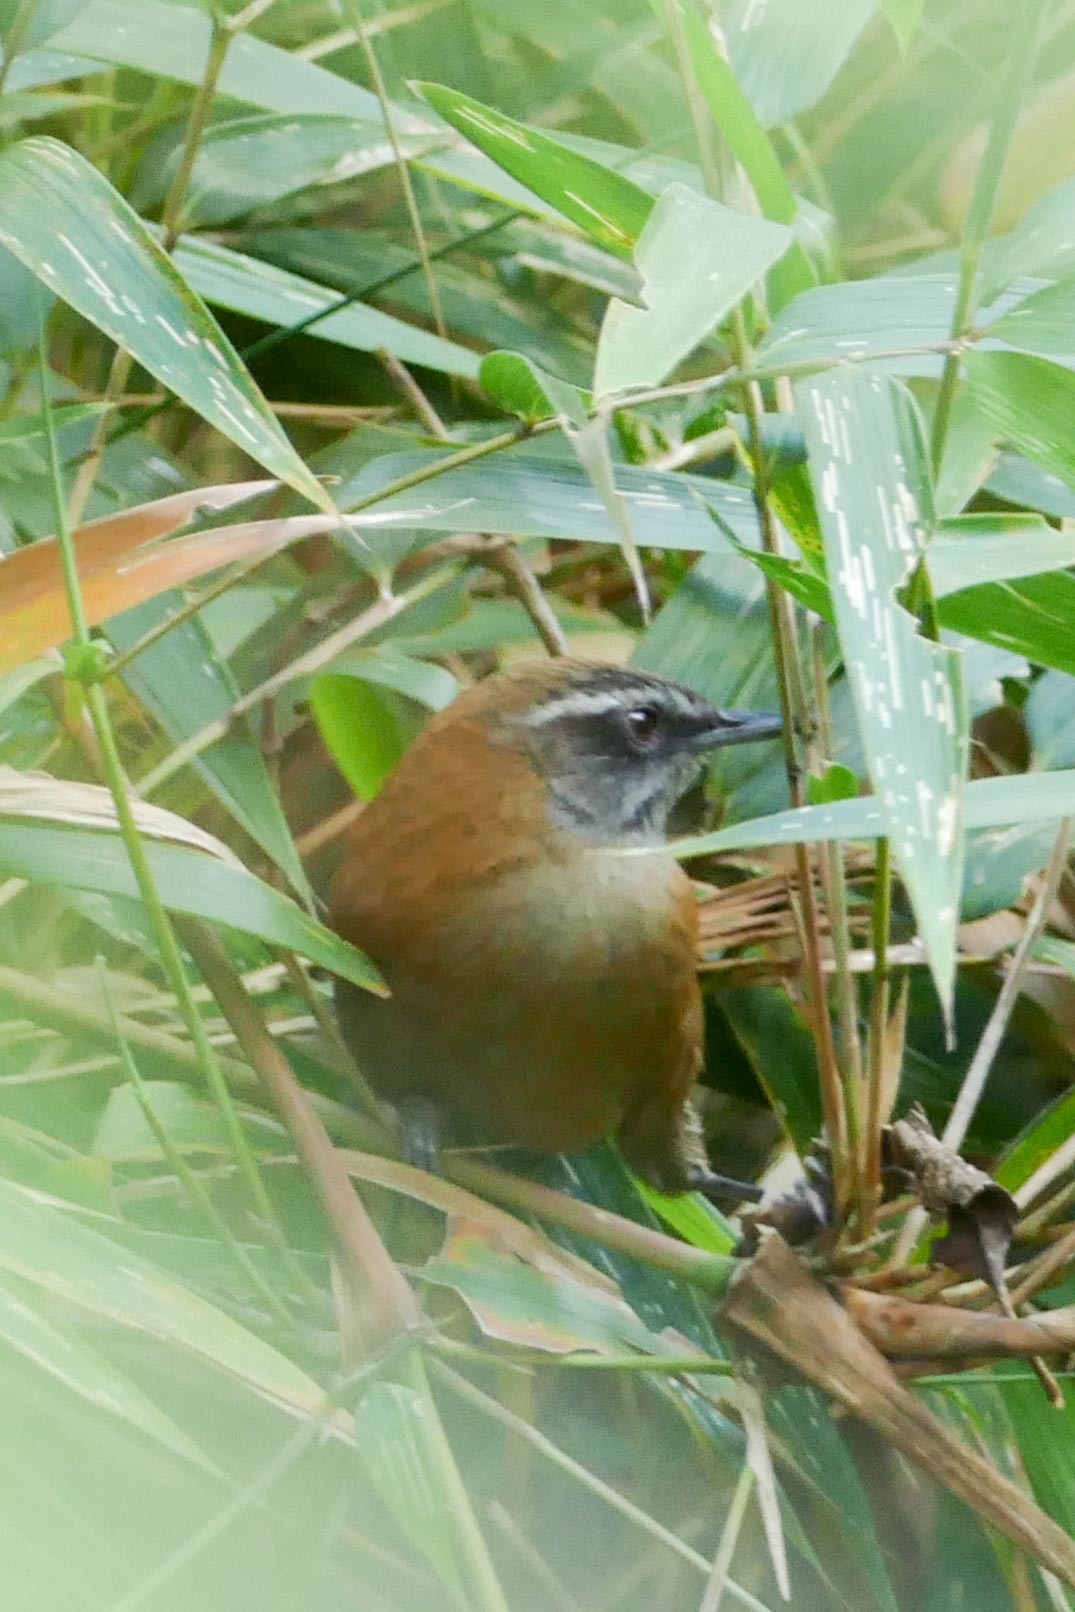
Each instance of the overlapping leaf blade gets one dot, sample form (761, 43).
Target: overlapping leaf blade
(867, 461)
(102, 245)
(697, 260)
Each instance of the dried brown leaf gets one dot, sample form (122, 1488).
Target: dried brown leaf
(112, 559)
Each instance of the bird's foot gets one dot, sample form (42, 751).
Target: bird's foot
(720, 1188)
(420, 1133)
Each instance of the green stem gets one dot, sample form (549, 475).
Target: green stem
(122, 363)
(711, 1273)
(881, 921)
(457, 1511)
(845, 984)
(983, 204)
(663, 1365)
(789, 671)
(187, 1178)
(170, 955)
(402, 166)
(24, 16)
(205, 95)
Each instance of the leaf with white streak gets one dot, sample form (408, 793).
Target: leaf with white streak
(63, 220)
(868, 463)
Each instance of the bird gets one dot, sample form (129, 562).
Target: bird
(542, 981)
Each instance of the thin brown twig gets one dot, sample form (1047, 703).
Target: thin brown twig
(974, 1080)
(500, 554)
(358, 23)
(1041, 1271)
(381, 1304)
(398, 372)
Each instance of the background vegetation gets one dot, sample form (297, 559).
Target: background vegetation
(735, 338)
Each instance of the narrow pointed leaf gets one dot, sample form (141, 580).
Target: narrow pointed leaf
(969, 550)
(49, 1248)
(199, 886)
(248, 286)
(867, 460)
(697, 260)
(1030, 402)
(735, 117)
(786, 53)
(123, 580)
(254, 161)
(600, 201)
(530, 495)
(66, 223)
(1039, 797)
(1044, 323)
(401, 1450)
(72, 1360)
(172, 42)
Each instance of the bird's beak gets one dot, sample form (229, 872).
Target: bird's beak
(718, 728)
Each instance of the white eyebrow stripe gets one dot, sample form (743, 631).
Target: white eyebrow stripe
(578, 703)
(594, 702)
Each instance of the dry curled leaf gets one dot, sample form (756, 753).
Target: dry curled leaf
(981, 1215)
(40, 797)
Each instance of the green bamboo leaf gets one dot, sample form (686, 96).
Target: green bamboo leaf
(402, 1452)
(261, 291)
(1031, 616)
(969, 550)
(521, 387)
(365, 729)
(693, 1218)
(531, 495)
(735, 117)
(899, 323)
(869, 469)
(187, 684)
(47, 18)
(50, 1249)
(905, 18)
(254, 161)
(193, 1124)
(549, 1309)
(697, 260)
(1043, 1434)
(1039, 797)
(71, 1360)
(66, 223)
(189, 882)
(995, 579)
(22, 301)
(882, 315)
(600, 201)
(786, 53)
(1030, 402)
(1049, 716)
(172, 42)
(24, 440)
(1040, 245)
(1043, 323)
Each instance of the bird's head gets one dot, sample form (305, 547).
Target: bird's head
(615, 747)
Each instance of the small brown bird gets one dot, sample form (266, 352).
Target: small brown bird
(543, 984)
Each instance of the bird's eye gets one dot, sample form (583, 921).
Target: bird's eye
(643, 722)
